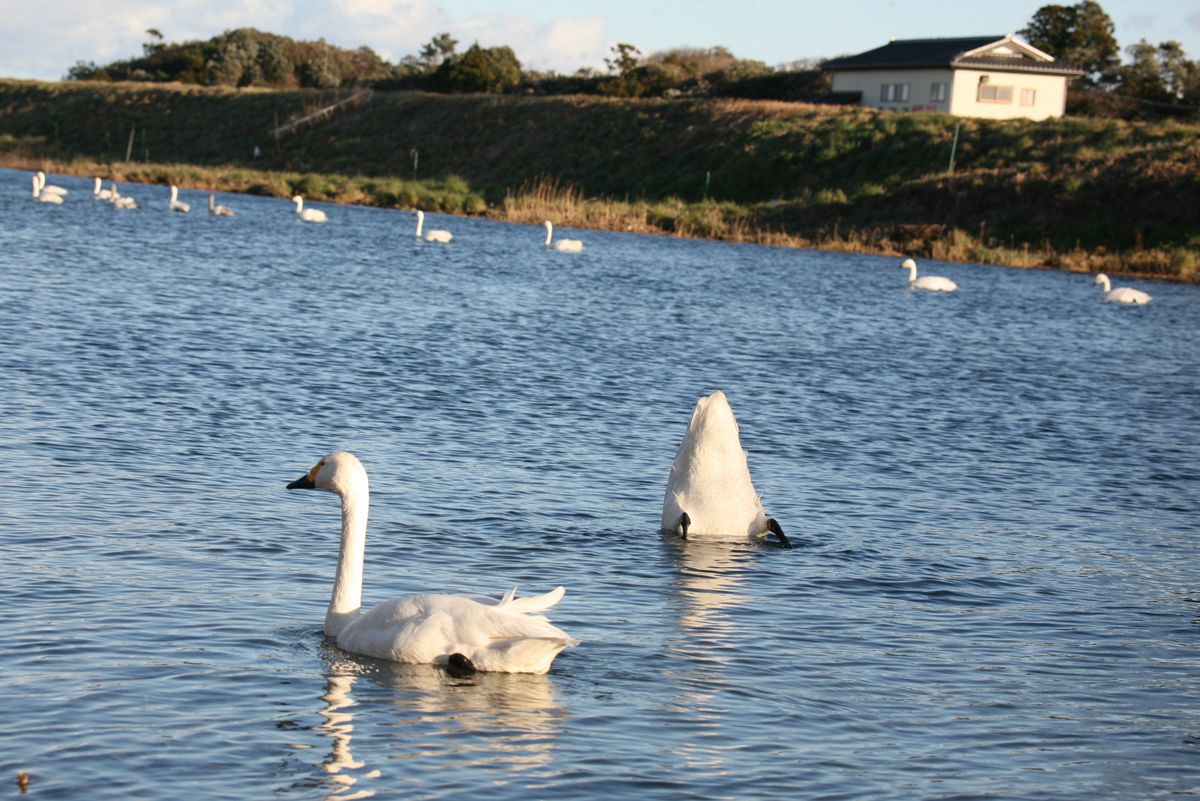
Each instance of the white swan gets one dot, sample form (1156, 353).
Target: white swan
(216, 209)
(436, 235)
(709, 492)
(933, 283)
(1121, 294)
(454, 631)
(308, 215)
(44, 197)
(562, 245)
(49, 190)
(176, 203)
(119, 200)
(101, 194)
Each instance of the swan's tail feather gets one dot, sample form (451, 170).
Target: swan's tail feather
(524, 655)
(535, 603)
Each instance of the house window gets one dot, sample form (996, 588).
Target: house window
(991, 93)
(1028, 97)
(894, 93)
(937, 92)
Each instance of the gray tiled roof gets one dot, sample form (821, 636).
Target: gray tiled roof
(942, 53)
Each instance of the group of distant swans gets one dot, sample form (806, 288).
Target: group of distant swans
(709, 495)
(929, 283)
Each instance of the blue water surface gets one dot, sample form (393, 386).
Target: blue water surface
(993, 495)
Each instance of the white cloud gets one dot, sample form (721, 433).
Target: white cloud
(562, 45)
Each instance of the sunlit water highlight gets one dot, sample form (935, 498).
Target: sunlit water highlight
(993, 494)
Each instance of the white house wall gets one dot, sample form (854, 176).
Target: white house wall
(1050, 95)
(870, 82)
(962, 87)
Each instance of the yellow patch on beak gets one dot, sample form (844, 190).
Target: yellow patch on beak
(312, 474)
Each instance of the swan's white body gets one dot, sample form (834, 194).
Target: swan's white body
(561, 245)
(308, 215)
(435, 235)
(931, 283)
(49, 190)
(710, 479)
(216, 209)
(42, 196)
(176, 203)
(505, 636)
(101, 194)
(1121, 294)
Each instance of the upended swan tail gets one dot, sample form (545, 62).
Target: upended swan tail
(531, 605)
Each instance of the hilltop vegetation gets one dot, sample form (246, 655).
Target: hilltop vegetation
(1070, 193)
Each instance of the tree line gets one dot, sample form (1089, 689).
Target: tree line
(1156, 78)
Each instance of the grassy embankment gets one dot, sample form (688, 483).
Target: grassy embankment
(1078, 194)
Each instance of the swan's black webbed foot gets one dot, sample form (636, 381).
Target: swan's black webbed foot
(684, 522)
(774, 527)
(460, 666)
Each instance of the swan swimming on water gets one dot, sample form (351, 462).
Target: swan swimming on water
(454, 631)
(709, 492)
(561, 245)
(308, 215)
(101, 194)
(932, 283)
(1121, 294)
(49, 190)
(42, 196)
(176, 203)
(436, 235)
(216, 209)
(121, 201)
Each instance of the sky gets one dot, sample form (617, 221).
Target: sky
(42, 39)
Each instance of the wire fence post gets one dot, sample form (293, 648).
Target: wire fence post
(954, 146)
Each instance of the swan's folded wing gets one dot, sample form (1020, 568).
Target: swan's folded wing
(535, 603)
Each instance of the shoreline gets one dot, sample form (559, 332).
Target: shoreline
(713, 220)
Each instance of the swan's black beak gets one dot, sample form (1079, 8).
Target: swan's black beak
(302, 483)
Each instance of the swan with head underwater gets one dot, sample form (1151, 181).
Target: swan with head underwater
(42, 196)
(308, 215)
(931, 283)
(436, 235)
(561, 245)
(1121, 294)
(456, 632)
(709, 492)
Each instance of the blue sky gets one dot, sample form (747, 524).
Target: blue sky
(43, 39)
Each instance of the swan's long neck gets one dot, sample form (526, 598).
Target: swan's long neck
(549, 232)
(1105, 284)
(912, 273)
(96, 187)
(35, 186)
(347, 586)
(420, 222)
(299, 205)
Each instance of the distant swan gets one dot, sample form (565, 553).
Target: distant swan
(121, 201)
(176, 203)
(101, 194)
(1121, 294)
(44, 197)
(709, 492)
(216, 209)
(505, 636)
(308, 215)
(562, 245)
(49, 190)
(933, 283)
(431, 236)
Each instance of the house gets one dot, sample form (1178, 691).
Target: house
(999, 77)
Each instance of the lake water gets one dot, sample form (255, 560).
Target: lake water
(993, 496)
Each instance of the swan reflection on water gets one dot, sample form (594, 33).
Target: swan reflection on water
(503, 722)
